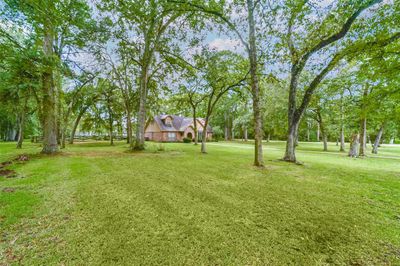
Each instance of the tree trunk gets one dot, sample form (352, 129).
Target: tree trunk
(377, 140)
(140, 140)
(258, 132)
(245, 133)
(76, 123)
(196, 137)
(49, 106)
(363, 137)
(321, 128)
(363, 122)
(342, 143)
(21, 130)
(63, 136)
(325, 140)
(318, 132)
(129, 128)
(342, 140)
(290, 154)
(228, 126)
(111, 132)
(354, 145)
(204, 136)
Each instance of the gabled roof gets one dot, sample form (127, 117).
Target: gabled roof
(179, 123)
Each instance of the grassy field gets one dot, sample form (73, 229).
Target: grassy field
(95, 204)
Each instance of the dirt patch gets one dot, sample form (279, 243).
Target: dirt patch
(8, 173)
(4, 164)
(8, 189)
(22, 158)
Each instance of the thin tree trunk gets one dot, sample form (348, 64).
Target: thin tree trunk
(321, 128)
(49, 106)
(363, 137)
(377, 140)
(204, 136)
(76, 123)
(196, 139)
(245, 133)
(363, 123)
(21, 130)
(110, 124)
(318, 132)
(129, 128)
(63, 136)
(258, 132)
(342, 143)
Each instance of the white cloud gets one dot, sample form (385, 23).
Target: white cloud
(225, 44)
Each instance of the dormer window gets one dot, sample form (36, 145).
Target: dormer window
(168, 121)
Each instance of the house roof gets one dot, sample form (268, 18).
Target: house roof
(179, 123)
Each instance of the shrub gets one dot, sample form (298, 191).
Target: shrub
(186, 140)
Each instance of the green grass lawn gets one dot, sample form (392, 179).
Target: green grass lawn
(95, 204)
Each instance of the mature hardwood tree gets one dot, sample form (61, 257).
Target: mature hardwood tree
(87, 96)
(222, 72)
(194, 96)
(249, 40)
(55, 24)
(303, 46)
(154, 24)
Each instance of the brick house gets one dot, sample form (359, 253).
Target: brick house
(174, 128)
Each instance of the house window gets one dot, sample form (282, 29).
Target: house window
(171, 136)
(200, 135)
(168, 121)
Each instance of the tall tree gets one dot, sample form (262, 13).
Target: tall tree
(223, 72)
(249, 39)
(303, 46)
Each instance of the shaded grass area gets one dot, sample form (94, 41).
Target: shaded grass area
(96, 204)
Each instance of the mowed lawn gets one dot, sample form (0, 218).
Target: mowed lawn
(95, 204)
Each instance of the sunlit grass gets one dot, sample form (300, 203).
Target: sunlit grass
(96, 204)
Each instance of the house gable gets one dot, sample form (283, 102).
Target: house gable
(152, 127)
